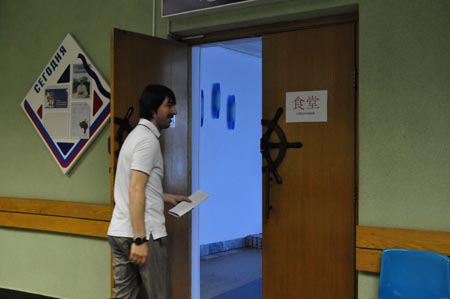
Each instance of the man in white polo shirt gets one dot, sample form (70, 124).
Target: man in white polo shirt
(137, 232)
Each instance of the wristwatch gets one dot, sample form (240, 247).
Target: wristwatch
(139, 240)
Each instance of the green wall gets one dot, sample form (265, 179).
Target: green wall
(30, 31)
(404, 144)
(404, 123)
(404, 114)
(55, 265)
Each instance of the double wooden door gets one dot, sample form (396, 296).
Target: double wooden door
(308, 239)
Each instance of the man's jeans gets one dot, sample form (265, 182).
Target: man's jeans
(154, 275)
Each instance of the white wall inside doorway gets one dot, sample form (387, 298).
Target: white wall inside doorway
(226, 158)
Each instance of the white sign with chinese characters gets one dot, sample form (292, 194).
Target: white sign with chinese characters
(306, 106)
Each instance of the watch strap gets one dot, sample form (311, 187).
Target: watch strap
(139, 240)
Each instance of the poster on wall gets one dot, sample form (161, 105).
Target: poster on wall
(68, 104)
(306, 106)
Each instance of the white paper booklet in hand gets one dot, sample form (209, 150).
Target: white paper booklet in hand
(184, 207)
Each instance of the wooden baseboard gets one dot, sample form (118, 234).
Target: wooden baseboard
(55, 216)
(93, 219)
(371, 241)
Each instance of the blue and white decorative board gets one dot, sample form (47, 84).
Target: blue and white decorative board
(68, 104)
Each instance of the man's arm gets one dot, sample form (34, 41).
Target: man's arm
(136, 192)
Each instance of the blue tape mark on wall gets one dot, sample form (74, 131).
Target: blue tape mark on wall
(202, 108)
(231, 112)
(215, 101)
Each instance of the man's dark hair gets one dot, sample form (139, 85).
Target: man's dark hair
(152, 97)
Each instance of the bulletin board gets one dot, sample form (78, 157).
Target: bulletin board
(68, 104)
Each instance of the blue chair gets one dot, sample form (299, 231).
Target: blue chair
(414, 274)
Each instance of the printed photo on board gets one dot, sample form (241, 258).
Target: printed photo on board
(56, 98)
(81, 85)
(80, 120)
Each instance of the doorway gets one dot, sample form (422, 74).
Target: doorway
(226, 164)
(309, 238)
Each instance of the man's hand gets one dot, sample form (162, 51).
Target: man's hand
(138, 254)
(175, 199)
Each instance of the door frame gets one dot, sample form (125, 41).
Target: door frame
(260, 30)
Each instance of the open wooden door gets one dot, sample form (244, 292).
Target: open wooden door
(309, 237)
(138, 60)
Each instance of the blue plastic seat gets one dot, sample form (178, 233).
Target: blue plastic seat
(414, 274)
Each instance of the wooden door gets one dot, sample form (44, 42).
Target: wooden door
(308, 249)
(138, 60)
